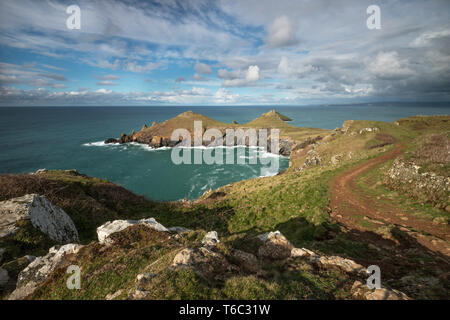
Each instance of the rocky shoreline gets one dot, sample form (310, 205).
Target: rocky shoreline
(158, 135)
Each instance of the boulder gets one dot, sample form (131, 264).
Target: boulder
(110, 227)
(247, 261)
(275, 246)
(40, 268)
(183, 258)
(138, 294)
(363, 130)
(211, 239)
(204, 261)
(114, 295)
(336, 159)
(386, 294)
(299, 253)
(156, 141)
(44, 216)
(111, 140)
(344, 264)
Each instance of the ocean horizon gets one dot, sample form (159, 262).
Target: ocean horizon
(71, 138)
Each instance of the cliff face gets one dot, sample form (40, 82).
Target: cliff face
(160, 134)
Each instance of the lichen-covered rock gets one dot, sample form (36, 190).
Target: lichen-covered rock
(211, 239)
(361, 291)
(336, 159)
(386, 294)
(364, 130)
(423, 186)
(204, 261)
(44, 216)
(40, 268)
(114, 295)
(275, 246)
(341, 263)
(312, 159)
(303, 252)
(110, 227)
(247, 261)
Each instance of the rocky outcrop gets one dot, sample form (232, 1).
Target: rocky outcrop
(39, 269)
(203, 260)
(361, 291)
(275, 246)
(49, 219)
(210, 239)
(160, 134)
(346, 265)
(110, 227)
(364, 130)
(423, 186)
(111, 140)
(336, 159)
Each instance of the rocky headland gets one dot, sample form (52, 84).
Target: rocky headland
(368, 193)
(159, 135)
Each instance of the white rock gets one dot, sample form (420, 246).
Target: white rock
(183, 258)
(374, 129)
(40, 268)
(113, 295)
(211, 239)
(44, 216)
(265, 236)
(336, 158)
(303, 252)
(110, 227)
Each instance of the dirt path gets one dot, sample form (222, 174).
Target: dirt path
(350, 202)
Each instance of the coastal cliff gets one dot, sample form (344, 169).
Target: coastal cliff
(160, 134)
(309, 233)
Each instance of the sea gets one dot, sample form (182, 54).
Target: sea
(33, 138)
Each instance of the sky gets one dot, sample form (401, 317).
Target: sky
(224, 52)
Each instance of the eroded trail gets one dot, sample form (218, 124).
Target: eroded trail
(351, 204)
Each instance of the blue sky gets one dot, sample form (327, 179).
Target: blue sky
(230, 52)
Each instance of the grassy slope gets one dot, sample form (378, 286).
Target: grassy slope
(294, 203)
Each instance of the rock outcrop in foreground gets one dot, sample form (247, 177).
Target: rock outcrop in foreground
(49, 219)
(38, 270)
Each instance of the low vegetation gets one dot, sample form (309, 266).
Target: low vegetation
(295, 202)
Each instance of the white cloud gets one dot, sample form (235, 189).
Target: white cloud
(427, 38)
(389, 66)
(103, 91)
(281, 33)
(251, 76)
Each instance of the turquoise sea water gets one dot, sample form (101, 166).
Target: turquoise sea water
(68, 138)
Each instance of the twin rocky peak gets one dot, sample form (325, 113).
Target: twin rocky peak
(159, 134)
